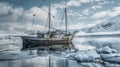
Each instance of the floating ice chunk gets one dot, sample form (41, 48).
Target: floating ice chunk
(106, 50)
(115, 58)
(86, 56)
(109, 55)
(90, 64)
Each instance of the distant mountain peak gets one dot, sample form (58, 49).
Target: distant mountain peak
(111, 25)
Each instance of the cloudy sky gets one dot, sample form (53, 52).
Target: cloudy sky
(17, 15)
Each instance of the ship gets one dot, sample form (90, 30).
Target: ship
(52, 39)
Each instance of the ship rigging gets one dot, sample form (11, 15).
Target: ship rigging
(52, 38)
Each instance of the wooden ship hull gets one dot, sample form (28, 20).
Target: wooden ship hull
(37, 43)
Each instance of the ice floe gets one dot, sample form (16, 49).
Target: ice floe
(85, 56)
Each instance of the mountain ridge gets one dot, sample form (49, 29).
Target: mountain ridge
(111, 25)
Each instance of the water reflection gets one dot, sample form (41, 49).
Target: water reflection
(18, 58)
(33, 62)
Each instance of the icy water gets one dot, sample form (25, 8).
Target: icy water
(16, 58)
(113, 42)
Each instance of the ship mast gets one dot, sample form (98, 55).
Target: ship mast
(49, 14)
(66, 21)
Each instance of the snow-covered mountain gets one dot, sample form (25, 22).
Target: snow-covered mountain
(111, 25)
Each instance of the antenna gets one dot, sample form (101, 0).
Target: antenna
(33, 21)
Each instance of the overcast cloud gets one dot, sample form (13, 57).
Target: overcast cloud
(17, 16)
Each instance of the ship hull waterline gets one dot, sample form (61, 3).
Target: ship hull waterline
(33, 43)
